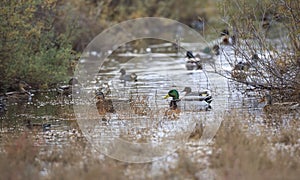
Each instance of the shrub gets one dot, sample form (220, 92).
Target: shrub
(270, 29)
(30, 48)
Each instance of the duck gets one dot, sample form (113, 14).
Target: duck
(174, 105)
(202, 99)
(103, 105)
(226, 39)
(127, 77)
(203, 95)
(285, 107)
(66, 90)
(21, 93)
(192, 62)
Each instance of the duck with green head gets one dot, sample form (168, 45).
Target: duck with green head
(175, 98)
(174, 108)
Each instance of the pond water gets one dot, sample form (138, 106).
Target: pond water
(139, 122)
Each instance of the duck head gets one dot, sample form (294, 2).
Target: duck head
(122, 71)
(99, 95)
(172, 93)
(187, 90)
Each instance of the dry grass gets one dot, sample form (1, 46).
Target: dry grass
(237, 154)
(240, 155)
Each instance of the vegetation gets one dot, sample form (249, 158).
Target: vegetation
(31, 49)
(40, 42)
(270, 29)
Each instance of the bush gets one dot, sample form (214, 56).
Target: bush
(30, 48)
(270, 29)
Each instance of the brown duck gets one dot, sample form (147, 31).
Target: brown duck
(20, 94)
(104, 105)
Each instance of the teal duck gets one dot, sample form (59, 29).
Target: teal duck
(127, 77)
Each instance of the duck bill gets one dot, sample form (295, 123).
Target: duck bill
(167, 96)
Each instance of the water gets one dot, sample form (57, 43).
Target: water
(140, 127)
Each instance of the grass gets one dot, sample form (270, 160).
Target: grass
(237, 153)
(241, 155)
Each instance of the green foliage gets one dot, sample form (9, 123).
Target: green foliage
(30, 49)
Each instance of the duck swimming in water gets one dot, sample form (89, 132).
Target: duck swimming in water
(201, 100)
(192, 62)
(104, 105)
(204, 95)
(127, 77)
(66, 90)
(226, 39)
(21, 93)
(174, 107)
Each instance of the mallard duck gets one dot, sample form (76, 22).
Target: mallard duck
(20, 93)
(204, 95)
(201, 100)
(285, 107)
(226, 38)
(104, 105)
(192, 62)
(174, 107)
(127, 77)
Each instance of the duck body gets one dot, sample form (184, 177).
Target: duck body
(67, 90)
(21, 93)
(192, 62)
(104, 105)
(201, 100)
(127, 77)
